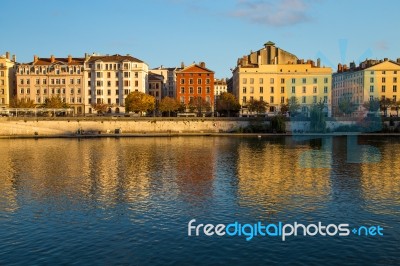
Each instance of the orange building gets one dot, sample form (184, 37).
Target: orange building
(195, 81)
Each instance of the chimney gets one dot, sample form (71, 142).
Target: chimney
(8, 55)
(182, 65)
(202, 64)
(69, 59)
(14, 58)
(35, 58)
(340, 67)
(86, 56)
(318, 62)
(52, 59)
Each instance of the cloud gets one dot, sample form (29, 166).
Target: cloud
(276, 13)
(382, 45)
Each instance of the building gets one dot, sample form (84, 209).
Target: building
(169, 74)
(220, 86)
(156, 83)
(371, 79)
(7, 79)
(44, 78)
(274, 75)
(110, 78)
(195, 81)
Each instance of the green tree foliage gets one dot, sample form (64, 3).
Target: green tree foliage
(317, 116)
(169, 105)
(293, 106)
(139, 102)
(258, 106)
(227, 103)
(385, 103)
(22, 103)
(278, 124)
(372, 105)
(346, 104)
(284, 108)
(54, 102)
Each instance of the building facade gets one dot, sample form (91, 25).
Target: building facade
(195, 81)
(169, 74)
(7, 79)
(156, 83)
(274, 76)
(220, 86)
(44, 78)
(110, 78)
(377, 79)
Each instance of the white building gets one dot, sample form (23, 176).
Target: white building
(169, 74)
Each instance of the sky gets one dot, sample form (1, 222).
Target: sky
(217, 32)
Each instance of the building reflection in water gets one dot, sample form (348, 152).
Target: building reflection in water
(8, 187)
(270, 176)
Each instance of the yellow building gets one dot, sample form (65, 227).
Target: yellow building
(371, 79)
(7, 79)
(274, 75)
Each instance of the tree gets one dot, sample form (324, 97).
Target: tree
(258, 106)
(385, 103)
(54, 102)
(199, 104)
(22, 103)
(293, 106)
(139, 102)
(100, 107)
(169, 105)
(346, 104)
(397, 106)
(284, 108)
(227, 103)
(372, 105)
(317, 116)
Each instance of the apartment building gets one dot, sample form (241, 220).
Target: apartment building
(7, 79)
(370, 79)
(110, 78)
(44, 78)
(274, 75)
(156, 83)
(169, 74)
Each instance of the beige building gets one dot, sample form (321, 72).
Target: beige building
(110, 78)
(51, 77)
(169, 74)
(275, 75)
(371, 79)
(220, 86)
(7, 79)
(156, 83)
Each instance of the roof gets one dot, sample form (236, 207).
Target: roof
(269, 43)
(154, 76)
(191, 69)
(113, 58)
(58, 60)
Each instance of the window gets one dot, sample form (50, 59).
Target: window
(293, 80)
(251, 98)
(99, 92)
(108, 74)
(282, 81)
(272, 89)
(314, 89)
(303, 99)
(72, 91)
(325, 89)
(261, 89)
(282, 99)
(371, 88)
(261, 81)
(108, 83)
(315, 81)
(136, 83)
(117, 83)
(116, 92)
(394, 98)
(207, 89)
(199, 90)
(314, 99)
(251, 89)
(182, 90)
(127, 74)
(304, 81)
(108, 92)
(383, 80)
(244, 89)
(207, 81)
(261, 98)
(44, 81)
(293, 89)
(325, 99)
(99, 74)
(282, 89)
(191, 90)
(394, 88)
(251, 81)
(199, 81)
(325, 80)
(244, 81)
(136, 74)
(304, 89)
(37, 81)
(383, 88)
(190, 81)
(182, 81)
(394, 80)
(271, 99)
(126, 91)
(127, 83)
(271, 81)
(371, 79)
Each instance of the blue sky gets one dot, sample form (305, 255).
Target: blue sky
(168, 32)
